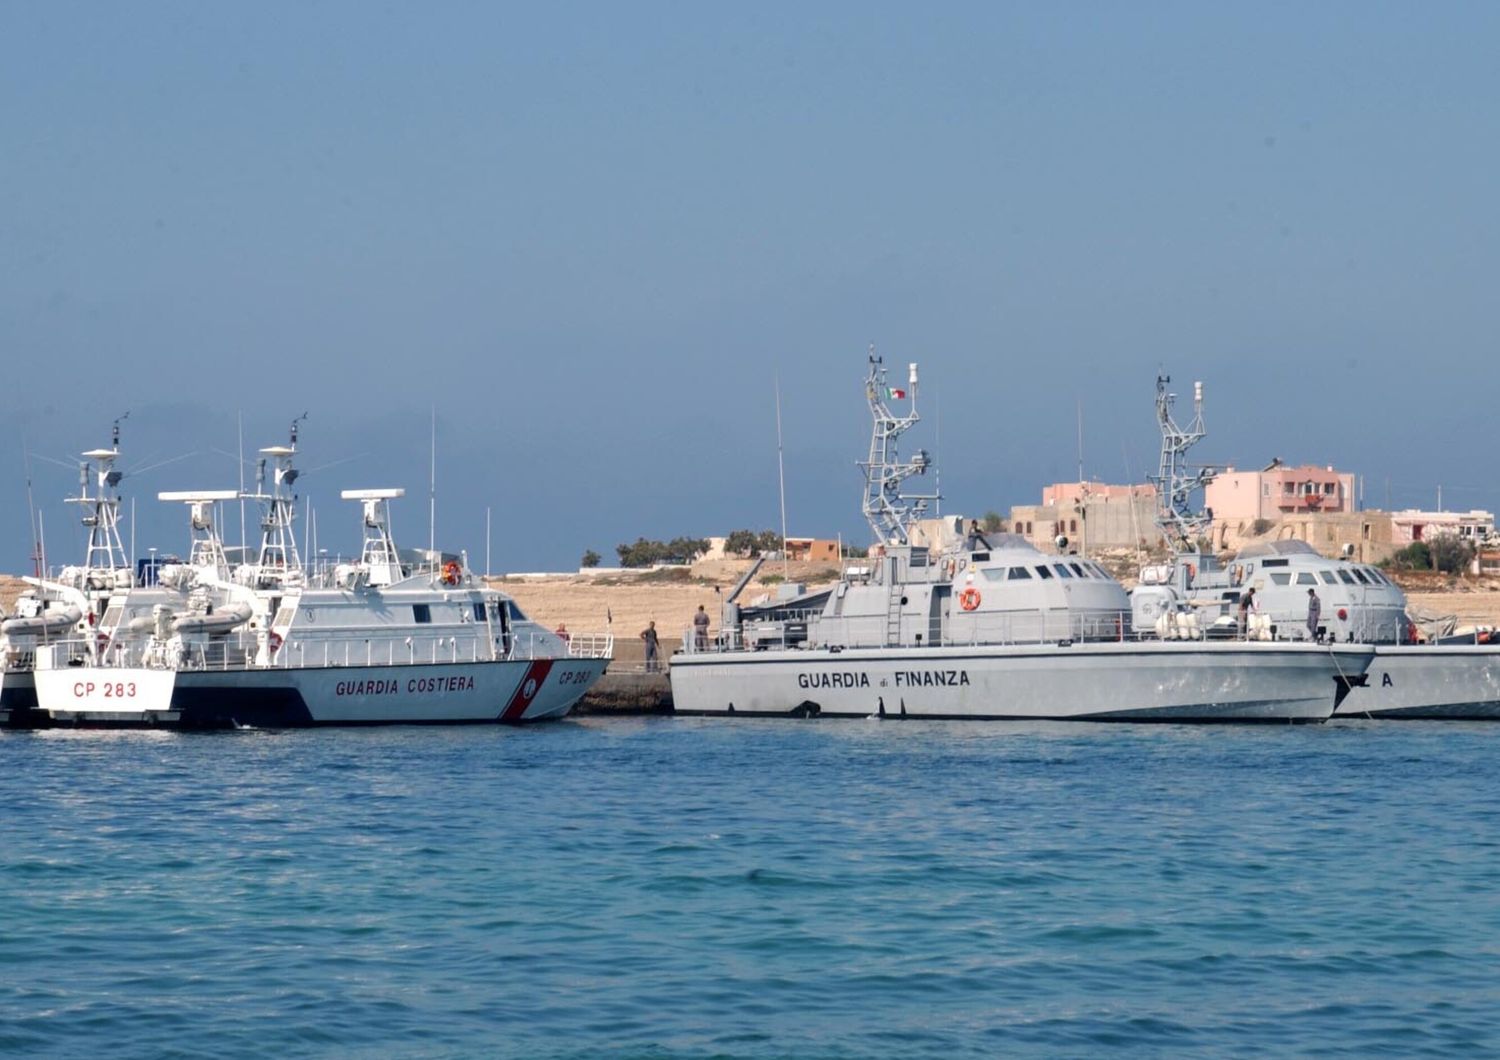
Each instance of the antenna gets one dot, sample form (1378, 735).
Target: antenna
(937, 454)
(1080, 441)
(240, 417)
(781, 478)
(432, 489)
(36, 541)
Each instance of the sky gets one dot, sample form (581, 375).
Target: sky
(586, 241)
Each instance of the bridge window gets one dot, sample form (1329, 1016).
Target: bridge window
(1361, 576)
(1281, 577)
(1306, 578)
(1043, 573)
(1078, 570)
(421, 614)
(1062, 570)
(1328, 578)
(1346, 577)
(478, 611)
(1020, 574)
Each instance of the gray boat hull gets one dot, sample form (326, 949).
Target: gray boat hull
(1110, 681)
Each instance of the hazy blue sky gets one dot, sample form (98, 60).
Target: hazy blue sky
(590, 235)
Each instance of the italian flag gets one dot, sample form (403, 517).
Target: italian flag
(894, 393)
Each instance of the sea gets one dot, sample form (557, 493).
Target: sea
(661, 887)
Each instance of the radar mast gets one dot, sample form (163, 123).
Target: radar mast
(888, 510)
(106, 552)
(1176, 480)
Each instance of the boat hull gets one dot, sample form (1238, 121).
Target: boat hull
(1453, 681)
(440, 694)
(1091, 681)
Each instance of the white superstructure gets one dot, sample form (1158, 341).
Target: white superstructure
(385, 638)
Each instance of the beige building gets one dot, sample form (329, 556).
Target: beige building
(1363, 536)
(1090, 515)
(1409, 526)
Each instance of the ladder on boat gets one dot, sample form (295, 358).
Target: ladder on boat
(892, 611)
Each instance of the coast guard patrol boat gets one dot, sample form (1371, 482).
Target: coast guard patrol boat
(68, 608)
(990, 629)
(1197, 594)
(391, 638)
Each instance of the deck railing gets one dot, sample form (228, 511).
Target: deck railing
(238, 653)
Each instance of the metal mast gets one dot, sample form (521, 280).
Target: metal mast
(106, 552)
(1176, 480)
(278, 540)
(888, 510)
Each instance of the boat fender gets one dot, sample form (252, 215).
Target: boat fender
(969, 598)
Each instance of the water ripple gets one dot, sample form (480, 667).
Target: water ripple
(669, 888)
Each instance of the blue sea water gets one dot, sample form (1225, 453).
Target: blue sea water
(667, 887)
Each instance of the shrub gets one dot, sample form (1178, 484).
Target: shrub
(1260, 526)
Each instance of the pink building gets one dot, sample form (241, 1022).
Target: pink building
(1279, 492)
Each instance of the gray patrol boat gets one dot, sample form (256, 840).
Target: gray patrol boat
(985, 627)
(1197, 594)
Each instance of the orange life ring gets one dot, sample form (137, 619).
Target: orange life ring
(451, 573)
(274, 642)
(969, 598)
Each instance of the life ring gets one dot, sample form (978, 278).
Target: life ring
(451, 573)
(273, 641)
(969, 598)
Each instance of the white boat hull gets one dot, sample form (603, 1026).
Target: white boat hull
(1429, 681)
(1089, 681)
(500, 691)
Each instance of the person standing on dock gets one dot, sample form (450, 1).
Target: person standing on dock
(700, 629)
(1314, 612)
(649, 636)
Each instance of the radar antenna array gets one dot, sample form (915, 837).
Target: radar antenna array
(1176, 481)
(887, 508)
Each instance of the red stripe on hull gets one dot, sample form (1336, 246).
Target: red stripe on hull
(531, 684)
